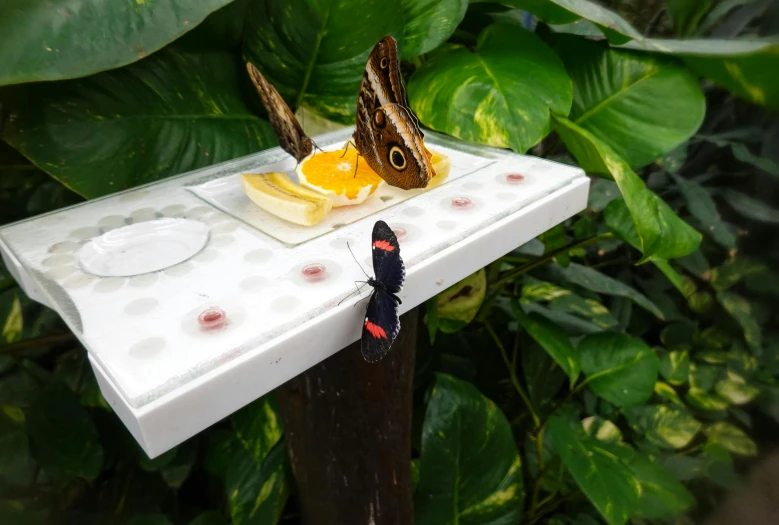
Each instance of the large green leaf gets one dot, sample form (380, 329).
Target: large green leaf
(500, 94)
(619, 368)
(741, 310)
(675, 366)
(639, 105)
(732, 438)
(602, 475)
(458, 305)
(73, 38)
(470, 470)
(429, 23)
(256, 479)
(543, 377)
(613, 26)
(686, 14)
(171, 113)
(598, 282)
(701, 206)
(551, 338)
(314, 52)
(662, 233)
(666, 426)
(65, 439)
(750, 207)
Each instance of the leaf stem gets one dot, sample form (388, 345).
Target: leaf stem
(513, 374)
(37, 342)
(510, 274)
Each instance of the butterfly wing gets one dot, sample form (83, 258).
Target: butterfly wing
(285, 124)
(380, 327)
(388, 267)
(387, 133)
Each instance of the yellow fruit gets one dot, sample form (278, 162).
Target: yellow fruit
(441, 164)
(332, 173)
(276, 194)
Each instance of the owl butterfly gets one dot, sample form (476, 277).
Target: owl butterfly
(388, 135)
(285, 125)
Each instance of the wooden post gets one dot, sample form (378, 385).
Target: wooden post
(348, 431)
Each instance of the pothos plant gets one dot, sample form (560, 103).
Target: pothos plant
(620, 368)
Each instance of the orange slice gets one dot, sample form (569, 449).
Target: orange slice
(441, 164)
(332, 173)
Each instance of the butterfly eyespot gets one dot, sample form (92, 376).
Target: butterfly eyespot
(397, 158)
(384, 62)
(379, 119)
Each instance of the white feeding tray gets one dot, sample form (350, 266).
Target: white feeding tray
(193, 302)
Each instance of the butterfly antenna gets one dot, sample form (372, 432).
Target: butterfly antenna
(355, 260)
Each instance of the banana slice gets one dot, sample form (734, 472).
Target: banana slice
(276, 194)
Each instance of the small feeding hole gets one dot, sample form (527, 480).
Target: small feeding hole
(386, 198)
(462, 203)
(515, 178)
(212, 318)
(399, 232)
(313, 272)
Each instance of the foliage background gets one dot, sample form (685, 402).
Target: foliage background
(622, 367)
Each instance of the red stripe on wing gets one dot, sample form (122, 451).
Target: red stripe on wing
(383, 245)
(375, 330)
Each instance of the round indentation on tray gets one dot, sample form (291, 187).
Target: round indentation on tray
(460, 204)
(179, 270)
(222, 240)
(143, 281)
(141, 306)
(60, 272)
(109, 284)
(111, 222)
(207, 255)
(217, 218)
(446, 224)
(315, 272)
(143, 215)
(85, 233)
(212, 318)
(413, 211)
(78, 280)
(506, 196)
(134, 196)
(386, 198)
(514, 178)
(143, 247)
(199, 212)
(341, 243)
(284, 304)
(224, 227)
(147, 348)
(173, 210)
(58, 260)
(399, 231)
(253, 283)
(216, 317)
(405, 232)
(258, 256)
(64, 247)
(473, 186)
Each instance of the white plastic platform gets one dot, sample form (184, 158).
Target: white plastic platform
(189, 311)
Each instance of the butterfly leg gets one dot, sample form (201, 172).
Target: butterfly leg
(346, 148)
(356, 163)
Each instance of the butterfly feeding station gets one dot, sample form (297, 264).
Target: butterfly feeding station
(192, 301)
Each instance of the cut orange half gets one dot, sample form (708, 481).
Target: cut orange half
(441, 164)
(332, 173)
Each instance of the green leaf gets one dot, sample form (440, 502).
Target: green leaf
(732, 438)
(702, 207)
(14, 322)
(734, 270)
(675, 366)
(429, 23)
(661, 232)
(666, 391)
(686, 14)
(751, 208)
(613, 26)
(545, 10)
(210, 517)
(619, 368)
(597, 282)
(65, 439)
(740, 309)
(543, 377)
(469, 466)
(168, 114)
(75, 38)
(707, 401)
(608, 483)
(704, 377)
(737, 392)
(17, 466)
(150, 519)
(719, 466)
(640, 106)
(661, 494)
(153, 465)
(571, 323)
(431, 318)
(601, 429)
(618, 220)
(501, 94)
(177, 471)
(589, 309)
(551, 338)
(458, 305)
(666, 426)
(221, 448)
(314, 52)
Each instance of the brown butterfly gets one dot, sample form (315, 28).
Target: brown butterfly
(285, 125)
(388, 134)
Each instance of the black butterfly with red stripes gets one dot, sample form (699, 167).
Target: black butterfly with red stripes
(382, 324)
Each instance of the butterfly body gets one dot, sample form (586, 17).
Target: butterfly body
(382, 324)
(387, 134)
